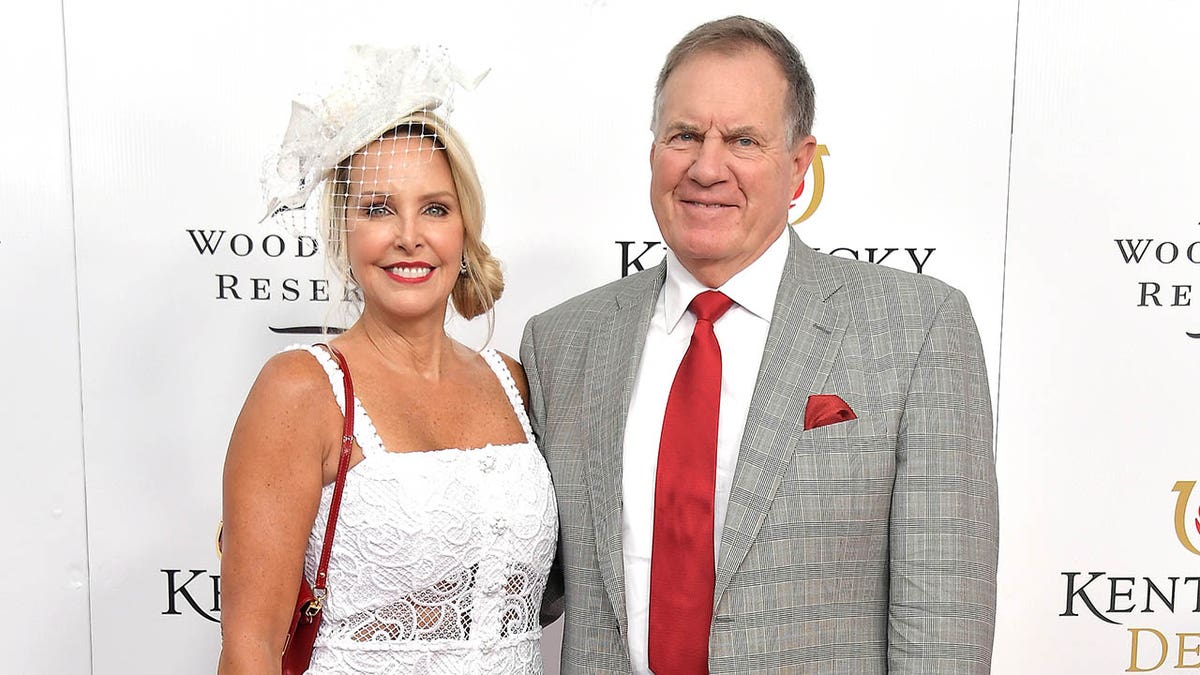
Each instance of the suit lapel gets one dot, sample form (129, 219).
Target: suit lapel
(802, 343)
(613, 355)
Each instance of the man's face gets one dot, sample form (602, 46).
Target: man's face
(722, 174)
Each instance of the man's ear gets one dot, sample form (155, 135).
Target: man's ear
(802, 157)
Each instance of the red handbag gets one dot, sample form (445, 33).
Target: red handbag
(306, 618)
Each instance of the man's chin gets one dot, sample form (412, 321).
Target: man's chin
(709, 219)
(695, 257)
(704, 243)
(700, 234)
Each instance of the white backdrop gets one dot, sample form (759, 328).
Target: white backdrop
(1098, 394)
(151, 201)
(44, 557)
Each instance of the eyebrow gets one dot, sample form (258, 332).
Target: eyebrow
(735, 132)
(744, 130)
(369, 198)
(444, 195)
(683, 127)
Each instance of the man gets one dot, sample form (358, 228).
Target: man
(793, 474)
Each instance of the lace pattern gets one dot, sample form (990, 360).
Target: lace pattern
(440, 557)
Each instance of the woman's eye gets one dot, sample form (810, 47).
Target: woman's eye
(376, 210)
(437, 210)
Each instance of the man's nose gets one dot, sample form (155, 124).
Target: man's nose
(709, 166)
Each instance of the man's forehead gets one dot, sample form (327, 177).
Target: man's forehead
(751, 57)
(748, 80)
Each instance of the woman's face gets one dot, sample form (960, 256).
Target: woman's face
(405, 227)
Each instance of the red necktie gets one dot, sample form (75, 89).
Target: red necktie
(682, 574)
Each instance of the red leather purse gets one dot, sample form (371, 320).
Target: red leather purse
(306, 618)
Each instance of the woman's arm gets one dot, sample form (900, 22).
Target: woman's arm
(272, 487)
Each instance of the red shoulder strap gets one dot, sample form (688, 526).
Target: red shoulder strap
(343, 466)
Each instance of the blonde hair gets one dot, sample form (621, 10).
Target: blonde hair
(475, 292)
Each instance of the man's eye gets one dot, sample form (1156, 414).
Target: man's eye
(745, 142)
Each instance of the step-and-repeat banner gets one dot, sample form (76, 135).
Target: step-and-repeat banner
(1041, 158)
(1098, 447)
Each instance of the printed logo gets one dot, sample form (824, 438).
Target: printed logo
(1169, 264)
(1188, 532)
(195, 591)
(817, 169)
(1117, 598)
(279, 270)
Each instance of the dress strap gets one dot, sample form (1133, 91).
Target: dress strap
(364, 429)
(500, 368)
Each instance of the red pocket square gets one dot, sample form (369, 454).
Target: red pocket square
(823, 409)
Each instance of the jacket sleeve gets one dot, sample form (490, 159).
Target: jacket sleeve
(944, 515)
(552, 600)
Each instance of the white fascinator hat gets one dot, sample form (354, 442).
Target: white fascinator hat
(379, 87)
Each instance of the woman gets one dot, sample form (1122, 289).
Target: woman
(447, 524)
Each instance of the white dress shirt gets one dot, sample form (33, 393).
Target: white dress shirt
(742, 334)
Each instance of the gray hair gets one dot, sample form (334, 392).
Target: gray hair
(735, 35)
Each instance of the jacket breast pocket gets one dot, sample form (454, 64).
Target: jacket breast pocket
(841, 476)
(866, 432)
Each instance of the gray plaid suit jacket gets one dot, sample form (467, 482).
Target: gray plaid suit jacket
(866, 546)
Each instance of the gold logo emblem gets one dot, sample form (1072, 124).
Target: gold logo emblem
(818, 185)
(220, 531)
(1184, 488)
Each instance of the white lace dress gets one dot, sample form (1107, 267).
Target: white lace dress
(440, 557)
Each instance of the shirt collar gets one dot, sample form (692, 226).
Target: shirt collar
(754, 288)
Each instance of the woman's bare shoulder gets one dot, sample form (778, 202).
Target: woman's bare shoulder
(290, 405)
(294, 375)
